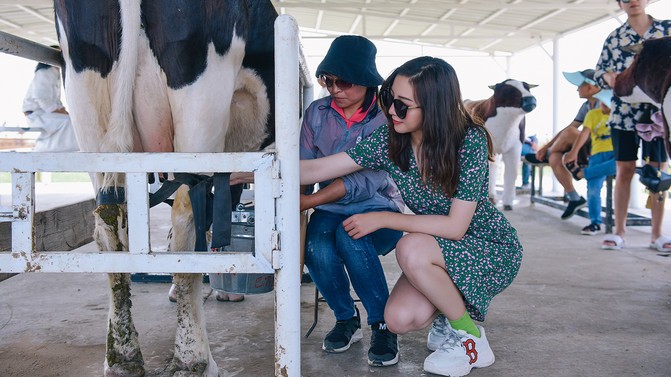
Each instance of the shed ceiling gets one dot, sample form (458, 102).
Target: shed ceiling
(492, 26)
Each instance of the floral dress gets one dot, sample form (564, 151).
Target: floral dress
(613, 58)
(486, 260)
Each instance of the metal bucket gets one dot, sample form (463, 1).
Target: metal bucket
(242, 239)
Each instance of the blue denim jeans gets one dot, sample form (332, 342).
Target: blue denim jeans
(526, 169)
(334, 258)
(601, 165)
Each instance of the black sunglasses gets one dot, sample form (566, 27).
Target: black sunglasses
(400, 107)
(329, 82)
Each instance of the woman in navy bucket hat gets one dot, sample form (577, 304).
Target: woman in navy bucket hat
(335, 123)
(352, 59)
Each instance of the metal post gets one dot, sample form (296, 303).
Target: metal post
(138, 222)
(17, 46)
(287, 282)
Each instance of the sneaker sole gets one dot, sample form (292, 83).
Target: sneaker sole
(454, 372)
(357, 336)
(433, 344)
(459, 372)
(574, 211)
(379, 363)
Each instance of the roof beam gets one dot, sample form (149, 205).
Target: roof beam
(413, 37)
(393, 24)
(591, 5)
(366, 12)
(36, 14)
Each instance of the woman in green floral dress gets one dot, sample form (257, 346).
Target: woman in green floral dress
(459, 250)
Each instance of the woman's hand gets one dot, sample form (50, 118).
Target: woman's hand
(363, 224)
(609, 78)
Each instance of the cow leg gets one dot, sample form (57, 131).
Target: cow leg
(493, 172)
(666, 112)
(511, 160)
(122, 356)
(192, 355)
(192, 349)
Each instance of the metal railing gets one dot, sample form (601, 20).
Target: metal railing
(276, 198)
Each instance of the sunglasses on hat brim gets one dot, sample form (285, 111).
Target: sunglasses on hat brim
(340, 83)
(400, 108)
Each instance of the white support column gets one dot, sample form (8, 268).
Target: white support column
(23, 210)
(287, 282)
(555, 101)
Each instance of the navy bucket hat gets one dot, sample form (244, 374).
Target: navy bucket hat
(352, 59)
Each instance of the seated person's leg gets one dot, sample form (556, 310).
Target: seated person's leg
(326, 267)
(562, 145)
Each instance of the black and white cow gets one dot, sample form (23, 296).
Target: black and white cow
(503, 114)
(164, 76)
(648, 78)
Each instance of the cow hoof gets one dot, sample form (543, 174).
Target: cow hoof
(125, 370)
(507, 207)
(172, 293)
(201, 369)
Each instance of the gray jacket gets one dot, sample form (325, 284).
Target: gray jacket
(324, 132)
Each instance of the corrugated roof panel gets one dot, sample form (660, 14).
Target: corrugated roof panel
(527, 20)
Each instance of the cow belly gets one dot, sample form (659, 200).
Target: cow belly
(201, 119)
(504, 128)
(153, 118)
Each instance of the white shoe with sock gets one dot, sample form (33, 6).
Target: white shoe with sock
(439, 330)
(459, 353)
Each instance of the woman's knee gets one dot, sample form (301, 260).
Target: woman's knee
(400, 319)
(408, 248)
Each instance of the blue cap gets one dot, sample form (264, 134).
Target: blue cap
(578, 78)
(605, 96)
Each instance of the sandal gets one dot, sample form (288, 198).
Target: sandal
(659, 244)
(232, 297)
(612, 242)
(574, 169)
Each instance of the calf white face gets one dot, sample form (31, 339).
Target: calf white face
(514, 93)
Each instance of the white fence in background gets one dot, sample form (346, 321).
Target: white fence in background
(276, 202)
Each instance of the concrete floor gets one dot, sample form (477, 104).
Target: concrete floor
(574, 310)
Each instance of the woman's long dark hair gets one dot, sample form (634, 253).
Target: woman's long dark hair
(444, 124)
(371, 95)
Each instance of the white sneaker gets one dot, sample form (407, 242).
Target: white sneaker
(439, 330)
(459, 353)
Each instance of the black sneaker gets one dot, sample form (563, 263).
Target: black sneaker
(573, 207)
(530, 158)
(383, 346)
(343, 334)
(591, 229)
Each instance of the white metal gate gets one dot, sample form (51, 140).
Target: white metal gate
(276, 197)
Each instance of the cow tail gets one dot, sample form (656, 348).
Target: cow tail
(119, 136)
